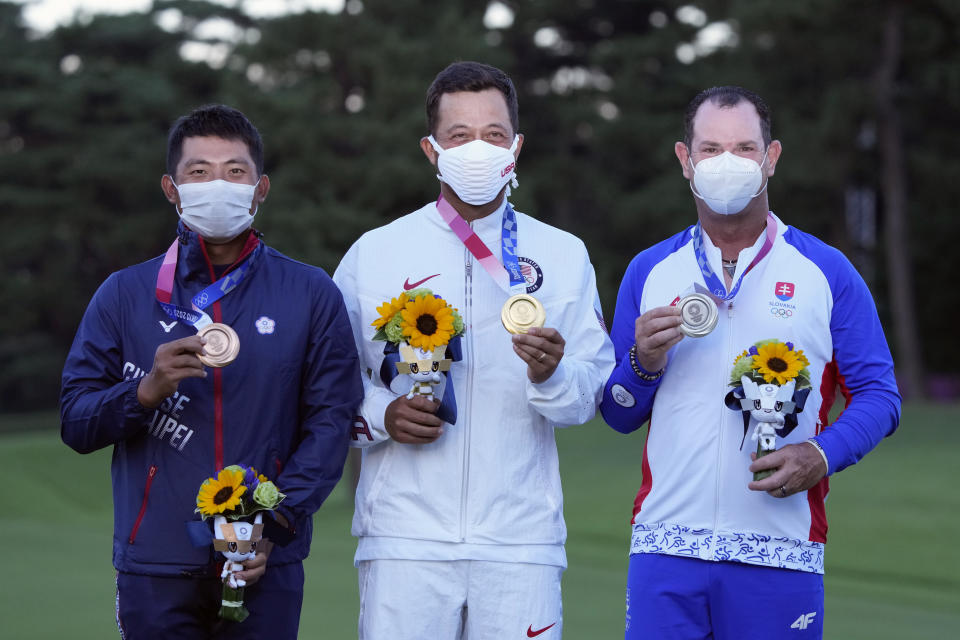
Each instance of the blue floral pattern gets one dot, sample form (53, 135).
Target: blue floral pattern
(749, 548)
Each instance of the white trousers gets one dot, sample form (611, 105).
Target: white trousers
(458, 600)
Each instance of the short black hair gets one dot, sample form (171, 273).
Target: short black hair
(728, 96)
(471, 76)
(216, 120)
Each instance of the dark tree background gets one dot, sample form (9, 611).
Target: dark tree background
(864, 95)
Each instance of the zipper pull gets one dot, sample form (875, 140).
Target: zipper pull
(730, 309)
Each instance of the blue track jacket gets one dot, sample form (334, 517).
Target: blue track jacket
(284, 406)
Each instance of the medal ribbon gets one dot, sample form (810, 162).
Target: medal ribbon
(507, 275)
(715, 284)
(196, 317)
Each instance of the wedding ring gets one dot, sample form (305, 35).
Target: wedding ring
(783, 492)
(543, 354)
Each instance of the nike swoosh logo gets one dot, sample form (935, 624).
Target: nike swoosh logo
(533, 634)
(407, 286)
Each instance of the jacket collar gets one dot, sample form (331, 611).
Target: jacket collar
(484, 225)
(194, 263)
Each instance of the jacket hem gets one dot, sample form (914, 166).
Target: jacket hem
(748, 548)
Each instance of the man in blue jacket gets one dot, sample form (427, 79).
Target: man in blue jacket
(134, 379)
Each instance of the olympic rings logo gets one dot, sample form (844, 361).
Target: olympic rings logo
(780, 313)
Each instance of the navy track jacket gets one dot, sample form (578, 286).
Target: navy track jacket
(284, 406)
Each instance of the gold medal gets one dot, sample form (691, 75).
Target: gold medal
(521, 312)
(222, 345)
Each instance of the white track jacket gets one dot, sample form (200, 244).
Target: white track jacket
(694, 500)
(489, 487)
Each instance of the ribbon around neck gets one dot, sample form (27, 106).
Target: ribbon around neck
(714, 283)
(507, 274)
(195, 316)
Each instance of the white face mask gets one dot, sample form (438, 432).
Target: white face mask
(218, 210)
(477, 170)
(727, 182)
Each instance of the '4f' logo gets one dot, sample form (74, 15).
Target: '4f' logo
(804, 621)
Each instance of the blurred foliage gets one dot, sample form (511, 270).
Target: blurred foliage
(338, 97)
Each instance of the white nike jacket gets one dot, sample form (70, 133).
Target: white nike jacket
(489, 487)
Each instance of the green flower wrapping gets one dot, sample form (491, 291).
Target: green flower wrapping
(231, 605)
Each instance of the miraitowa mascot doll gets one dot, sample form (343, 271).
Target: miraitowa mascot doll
(237, 541)
(771, 384)
(423, 367)
(235, 498)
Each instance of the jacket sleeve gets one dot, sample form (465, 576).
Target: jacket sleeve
(571, 395)
(98, 407)
(627, 398)
(330, 393)
(865, 367)
(368, 428)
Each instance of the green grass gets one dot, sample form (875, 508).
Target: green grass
(891, 572)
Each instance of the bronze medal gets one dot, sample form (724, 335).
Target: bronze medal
(222, 345)
(521, 312)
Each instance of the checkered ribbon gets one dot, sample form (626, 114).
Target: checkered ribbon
(507, 275)
(196, 316)
(714, 284)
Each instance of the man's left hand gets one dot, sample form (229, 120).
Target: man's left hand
(254, 568)
(797, 467)
(541, 349)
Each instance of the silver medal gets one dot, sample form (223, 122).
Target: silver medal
(698, 314)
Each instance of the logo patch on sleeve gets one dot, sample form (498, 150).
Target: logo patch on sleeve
(621, 396)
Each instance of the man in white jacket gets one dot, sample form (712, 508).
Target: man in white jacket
(459, 517)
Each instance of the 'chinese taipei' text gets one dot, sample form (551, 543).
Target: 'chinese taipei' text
(166, 419)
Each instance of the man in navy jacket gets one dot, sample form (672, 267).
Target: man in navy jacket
(134, 379)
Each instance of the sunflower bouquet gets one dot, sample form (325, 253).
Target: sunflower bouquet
(422, 332)
(419, 318)
(236, 498)
(772, 362)
(771, 383)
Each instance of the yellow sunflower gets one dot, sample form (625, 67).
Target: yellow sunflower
(220, 494)
(427, 322)
(388, 309)
(776, 362)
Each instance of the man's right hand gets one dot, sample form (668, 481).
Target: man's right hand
(172, 362)
(413, 421)
(656, 331)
